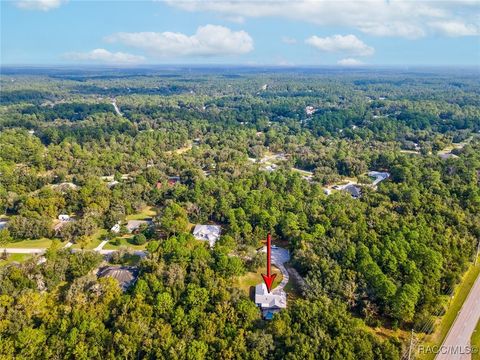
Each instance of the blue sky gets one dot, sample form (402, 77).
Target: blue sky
(304, 32)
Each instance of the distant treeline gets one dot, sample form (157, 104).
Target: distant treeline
(69, 111)
(17, 96)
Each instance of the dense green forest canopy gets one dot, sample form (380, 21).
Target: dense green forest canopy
(387, 259)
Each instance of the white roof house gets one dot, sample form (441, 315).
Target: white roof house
(65, 186)
(210, 233)
(64, 217)
(269, 300)
(3, 224)
(270, 303)
(310, 110)
(115, 228)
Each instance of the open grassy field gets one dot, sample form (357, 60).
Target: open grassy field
(250, 279)
(27, 244)
(15, 258)
(460, 294)
(147, 212)
(475, 342)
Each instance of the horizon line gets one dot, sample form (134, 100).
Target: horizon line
(233, 65)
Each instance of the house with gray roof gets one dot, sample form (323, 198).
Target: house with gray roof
(135, 225)
(353, 190)
(125, 275)
(269, 302)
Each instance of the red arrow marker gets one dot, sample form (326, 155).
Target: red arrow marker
(269, 277)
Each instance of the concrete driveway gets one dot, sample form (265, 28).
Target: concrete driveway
(279, 257)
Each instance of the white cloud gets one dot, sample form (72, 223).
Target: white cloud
(349, 62)
(403, 18)
(43, 5)
(209, 40)
(289, 40)
(456, 28)
(348, 44)
(105, 56)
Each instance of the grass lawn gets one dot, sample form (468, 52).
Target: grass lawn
(303, 172)
(15, 258)
(124, 243)
(147, 212)
(33, 244)
(461, 293)
(250, 279)
(93, 242)
(475, 342)
(180, 150)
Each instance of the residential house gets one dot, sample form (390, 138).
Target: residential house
(64, 217)
(210, 233)
(269, 302)
(65, 186)
(115, 228)
(125, 275)
(353, 190)
(310, 110)
(134, 226)
(3, 224)
(172, 180)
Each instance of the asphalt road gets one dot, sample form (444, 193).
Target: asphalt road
(42, 251)
(457, 342)
(23, 251)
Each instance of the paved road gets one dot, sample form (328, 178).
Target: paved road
(22, 251)
(117, 110)
(40, 251)
(458, 338)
